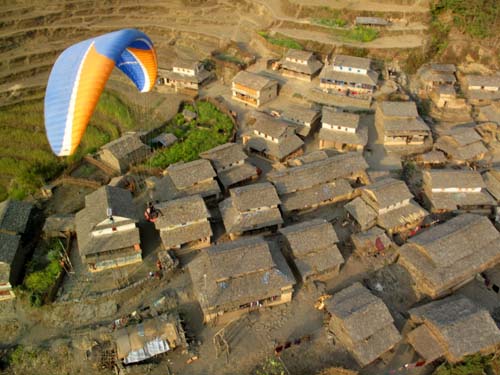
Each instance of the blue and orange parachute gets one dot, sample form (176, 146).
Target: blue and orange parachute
(79, 76)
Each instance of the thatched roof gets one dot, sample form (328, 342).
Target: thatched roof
(386, 192)
(181, 211)
(352, 62)
(317, 172)
(252, 81)
(251, 197)
(124, 146)
(335, 118)
(398, 109)
(362, 323)
(239, 272)
(224, 155)
(14, 215)
(450, 253)
(315, 195)
(185, 175)
(461, 327)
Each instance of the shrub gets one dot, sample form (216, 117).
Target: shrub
(271, 366)
(281, 41)
(330, 22)
(362, 34)
(471, 365)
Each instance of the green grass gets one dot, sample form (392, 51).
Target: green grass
(471, 365)
(362, 34)
(209, 130)
(25, 155)
(280, 40)
(330, 22)
(229, 58)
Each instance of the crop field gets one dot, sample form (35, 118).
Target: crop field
(26, 161)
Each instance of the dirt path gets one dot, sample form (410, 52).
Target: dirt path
(420, 6)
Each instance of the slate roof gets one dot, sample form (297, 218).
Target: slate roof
(360, 138)
(286, 145)
(14, 215)
(165, 139)
(252, 81)
(185, 175)
(371, 78)
(271, 126)
(352, 61)
(110, 197)
(237, 174)
(452, 178)
(317, 172)
(308, 158)
(386, 192)
(401, 216)
(451, 253)
(239, 272)
(361, 212)
(425, 343)
(461, 147)
(9, 244)
(486, 80)
(309, 236)
(59, 223)
(492, 181)
(180, 211)
(371, 21)
(332, 117)
(366, 325)
(299, 115)
(224, 155)
(431, 75)
(299, 54)
(254, 196)
(490, 113)
(462, 327)
(316, 195)
(125, 145)
(432, 157)
(185, 234)
(405, 126)
(368, 238)
(451, 68)
(398, 109)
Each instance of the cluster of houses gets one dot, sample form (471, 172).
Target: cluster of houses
(267, 248)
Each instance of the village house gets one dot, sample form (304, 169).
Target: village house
(349, 75)
(233, 278)
(393, 204)
(434, 76)
(453, 328)
(59, 225)
(184, 221)
(432, 158)
(373, 241)
(125, 151)
(185, 74)
(364, 216)
(253, 89)
(307, 158)
(490, 113)
(461, 145)
(482, 90)
(492, 181)
(15, 225)
(402, 127)
(304, 120)
(371, 21)
(362, 323)
(342, 131)
(274, 139)
(251, 208)
(302, 65)
(319, 182)
(445, 98)
(164, 140)
(312, 251)
(184, 179)
(106, 230)
(456, 191)
(149, 338)
(230, 163)
(446, 256)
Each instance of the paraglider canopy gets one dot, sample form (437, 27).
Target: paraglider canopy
(78, 78)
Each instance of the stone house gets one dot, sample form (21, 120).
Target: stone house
(342, 131)
(461, 145)
(185, 74)
(311, 249)
(402, 127)
(184, 221)
(125, 151)
(184, 179)
(319, 182)
(371, 242)
(456, 191)
(15, 227)
(230, 163)
(362, 323)
(302, 65)
(274, 139)
(434, 76)
(304, 120)
(482, 90)
(253, 89)
(349, 75)
(251, 208)
(444, 257)
(234, 278)
(106, 229)
(453, 328)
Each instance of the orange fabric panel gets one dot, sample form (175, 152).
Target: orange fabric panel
(148, 60)
(94, 74)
